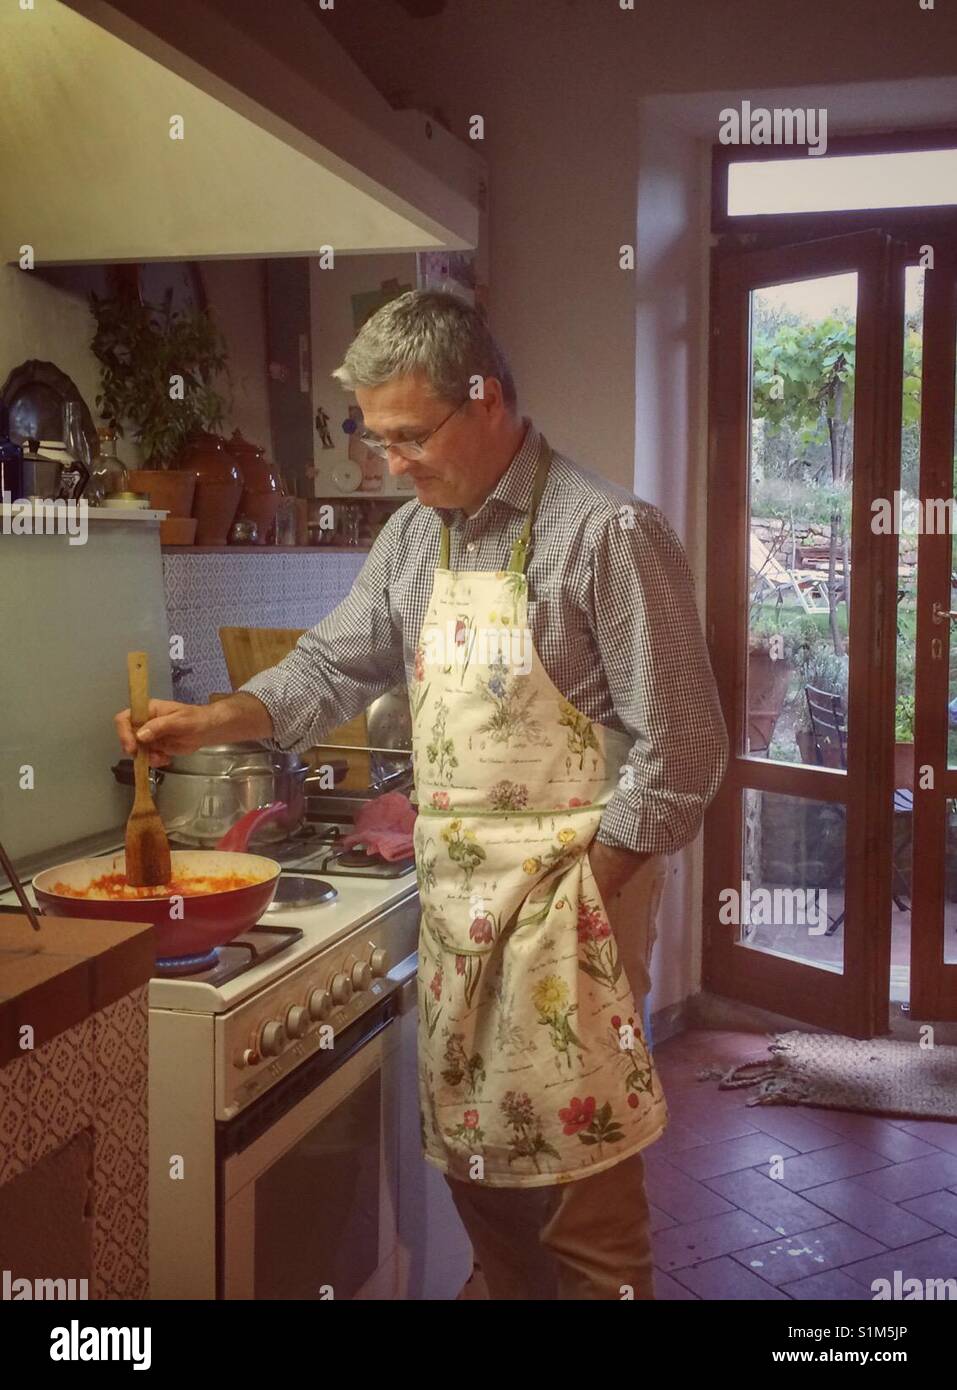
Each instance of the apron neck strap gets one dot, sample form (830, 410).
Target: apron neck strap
(522, 547)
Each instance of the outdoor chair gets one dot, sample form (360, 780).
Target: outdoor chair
(808, 586)
(829, 733)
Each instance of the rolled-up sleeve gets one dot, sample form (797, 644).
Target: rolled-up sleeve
(656, 661)
(339, 666)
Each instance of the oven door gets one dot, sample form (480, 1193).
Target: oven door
(307, 1177)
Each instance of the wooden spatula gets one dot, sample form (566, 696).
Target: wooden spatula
(147, 848)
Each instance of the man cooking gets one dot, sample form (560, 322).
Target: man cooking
(567, 736)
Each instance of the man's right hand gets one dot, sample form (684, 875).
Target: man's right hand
(175, 728)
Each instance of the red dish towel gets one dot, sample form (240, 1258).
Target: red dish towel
(384, 826)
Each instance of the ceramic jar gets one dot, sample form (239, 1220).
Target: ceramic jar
(219, 486)
(262, 487)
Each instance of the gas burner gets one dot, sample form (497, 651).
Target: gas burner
(243, 953)
(356, 861)
(305, 837)
(302, 847)
(167, 966)
(295, 890)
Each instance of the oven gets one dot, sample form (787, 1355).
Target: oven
(277, 1115)
(308, 1177)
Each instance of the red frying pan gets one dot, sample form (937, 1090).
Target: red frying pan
(208, 919)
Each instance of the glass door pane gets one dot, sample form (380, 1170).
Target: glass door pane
(792, 898)
(909, 537)
(803, 338)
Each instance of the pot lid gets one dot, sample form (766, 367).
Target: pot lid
(228, 759)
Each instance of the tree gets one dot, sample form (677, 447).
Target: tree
(803, 380)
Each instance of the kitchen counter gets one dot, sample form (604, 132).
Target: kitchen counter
(53, 979)
(48, 509)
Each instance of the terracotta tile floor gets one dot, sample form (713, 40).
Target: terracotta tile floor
(859, 1197)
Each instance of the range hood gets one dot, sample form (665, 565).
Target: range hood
(283, 152)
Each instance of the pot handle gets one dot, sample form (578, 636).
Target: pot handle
(237, 836)
(123, 772)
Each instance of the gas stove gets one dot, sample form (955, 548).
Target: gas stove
(313, 849)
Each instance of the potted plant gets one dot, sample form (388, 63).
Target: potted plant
(157, 369)
(904, 742)
(771, 656)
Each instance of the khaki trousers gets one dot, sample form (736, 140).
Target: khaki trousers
(587, 1239)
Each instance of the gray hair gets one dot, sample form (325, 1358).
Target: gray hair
(430, 331)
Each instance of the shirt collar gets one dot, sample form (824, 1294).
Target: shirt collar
(514, 487)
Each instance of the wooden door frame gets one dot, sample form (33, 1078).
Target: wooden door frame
(933, 991)
(855, 1001)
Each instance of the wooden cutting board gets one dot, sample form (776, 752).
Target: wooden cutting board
(249, 650)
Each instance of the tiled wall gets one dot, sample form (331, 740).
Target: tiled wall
(272, 589)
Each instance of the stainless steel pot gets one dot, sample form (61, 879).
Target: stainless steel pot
(41, 475)
(389, 731)
(201, 795)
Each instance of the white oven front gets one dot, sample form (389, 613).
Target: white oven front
(307, 1178)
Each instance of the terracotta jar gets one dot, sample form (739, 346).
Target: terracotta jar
(169, 489)
(262, 488)
(219, 486)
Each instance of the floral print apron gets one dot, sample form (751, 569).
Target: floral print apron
(533, 1068)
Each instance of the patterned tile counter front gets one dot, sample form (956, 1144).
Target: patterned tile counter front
(91, 1082)
(74, 1067)
(272, 588)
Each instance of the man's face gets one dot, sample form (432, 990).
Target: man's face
(452, 471)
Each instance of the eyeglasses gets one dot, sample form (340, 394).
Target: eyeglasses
(408, 448)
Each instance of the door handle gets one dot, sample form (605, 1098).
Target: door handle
(940, 613)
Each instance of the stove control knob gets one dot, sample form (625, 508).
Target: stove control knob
(297, 1021)
(361, 975)
(247, 1058)
(379, 962)
(341, 989)
(320, 1004)
(271, 1038)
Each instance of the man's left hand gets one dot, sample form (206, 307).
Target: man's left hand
(613, 867)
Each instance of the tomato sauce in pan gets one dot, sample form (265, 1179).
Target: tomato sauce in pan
(115, 887)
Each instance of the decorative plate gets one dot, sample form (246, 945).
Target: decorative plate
(35, 394)
(347, 476)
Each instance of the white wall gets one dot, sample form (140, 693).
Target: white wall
(41, 320)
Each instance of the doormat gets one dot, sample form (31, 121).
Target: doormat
(879, 1076)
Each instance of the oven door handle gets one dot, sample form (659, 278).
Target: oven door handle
(405, 974)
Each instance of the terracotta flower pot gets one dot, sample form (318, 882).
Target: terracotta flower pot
(904, 765)
(262, 487)
(169, 489)
(178, 530)
(219, 486)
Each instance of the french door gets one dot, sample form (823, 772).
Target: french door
(807, 404)
(934, 915)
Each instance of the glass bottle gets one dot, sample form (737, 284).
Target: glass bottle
(109, 472)
(76, 474)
